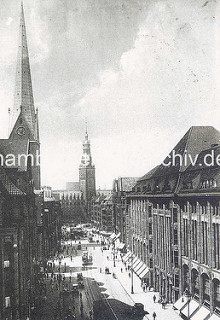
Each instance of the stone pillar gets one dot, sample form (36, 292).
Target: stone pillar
(200, 284)
(211, 290)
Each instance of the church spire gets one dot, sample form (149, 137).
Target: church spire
(23, 96)
(86, 159)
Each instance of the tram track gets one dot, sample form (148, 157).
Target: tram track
(92, 296)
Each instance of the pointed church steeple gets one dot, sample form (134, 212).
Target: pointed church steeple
(23, 96)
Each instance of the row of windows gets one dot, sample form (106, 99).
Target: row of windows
(205, 247)
(205, 184)
(211, 183)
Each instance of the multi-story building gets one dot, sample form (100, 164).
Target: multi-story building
(121, 187)
(51, 226)
(18, 253)
(102, 212)
(22, 214)
(174, 220)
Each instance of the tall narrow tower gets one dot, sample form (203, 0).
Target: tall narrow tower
(87, 171)
(24, 118)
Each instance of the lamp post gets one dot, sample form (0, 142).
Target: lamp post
(114, 254)
(188, 296)
(132, 281)
(132, 275)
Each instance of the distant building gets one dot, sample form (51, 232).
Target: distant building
(72, 186)
(76, 199)
(174, 223)
(87, 172)
(121, 187)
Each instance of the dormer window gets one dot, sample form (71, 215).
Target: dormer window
(206, 184)
(167, 186)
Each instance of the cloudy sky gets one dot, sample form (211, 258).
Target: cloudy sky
(141, 71)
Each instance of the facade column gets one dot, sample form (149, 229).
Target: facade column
(211, 290)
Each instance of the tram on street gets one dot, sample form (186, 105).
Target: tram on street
(86, 258)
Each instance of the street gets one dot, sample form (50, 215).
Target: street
(102, 295)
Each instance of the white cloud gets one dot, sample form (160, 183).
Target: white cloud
(9, 21)
(39, 37)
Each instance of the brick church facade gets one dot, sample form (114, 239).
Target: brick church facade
(29, 222)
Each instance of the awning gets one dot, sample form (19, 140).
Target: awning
(112, 236)
(133, 261)
(190, 308)
(144, 273)
(214, 317)
(141, 269)
(121, 246)
(180, 303)
(117, 236)
(127, 256)
(137, 266)
(201, 314)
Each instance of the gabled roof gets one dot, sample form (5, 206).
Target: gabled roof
(7, 186)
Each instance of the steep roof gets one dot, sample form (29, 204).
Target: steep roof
(23, 96)
(195, 144)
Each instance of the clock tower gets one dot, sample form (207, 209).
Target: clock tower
(87, 171)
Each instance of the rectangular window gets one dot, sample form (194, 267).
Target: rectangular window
(175, 236)
(174, 215)
(150, 211)
(7, 302)
(150, 246)
(176, 258)
(176, 280)
(150, 228)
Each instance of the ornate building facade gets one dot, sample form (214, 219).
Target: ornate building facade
(174, 220)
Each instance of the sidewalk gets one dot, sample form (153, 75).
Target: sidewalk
(139, 296)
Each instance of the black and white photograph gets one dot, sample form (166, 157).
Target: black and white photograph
(109, 159)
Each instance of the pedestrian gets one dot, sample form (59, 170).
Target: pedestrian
(154, 315)
(143, 287)
(154, 298)
(121, 270)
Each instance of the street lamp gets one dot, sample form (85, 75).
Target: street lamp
(132, 275)
(114, 254)
(188, 296)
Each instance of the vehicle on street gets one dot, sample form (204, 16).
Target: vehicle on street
(107, 270)
(86, 258)
(75, 289)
